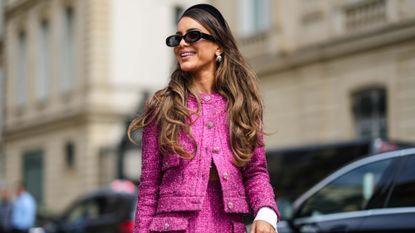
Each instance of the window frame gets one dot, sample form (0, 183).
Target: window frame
(375, 122)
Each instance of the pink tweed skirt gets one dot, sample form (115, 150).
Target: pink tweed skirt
(211, 219)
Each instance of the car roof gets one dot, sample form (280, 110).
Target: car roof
(105, 192)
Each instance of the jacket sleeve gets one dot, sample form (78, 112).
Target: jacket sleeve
(149, 181)
(257, 183)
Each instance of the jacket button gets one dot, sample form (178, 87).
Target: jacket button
(225, 176)
(206, 97)
(210, 125)
(215, 149)
(166, 226)
(230, 205)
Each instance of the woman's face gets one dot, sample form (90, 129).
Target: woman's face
(199, 56)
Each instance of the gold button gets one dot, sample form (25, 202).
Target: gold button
(206, 97)
(225, 176)
(166, 226)
(210, 124)
(230, 205)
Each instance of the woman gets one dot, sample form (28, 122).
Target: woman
(202, 143)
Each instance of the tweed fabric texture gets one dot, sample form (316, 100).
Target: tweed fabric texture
(210, 219)
(170, 184)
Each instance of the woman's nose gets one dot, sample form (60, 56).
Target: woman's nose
(183, 42)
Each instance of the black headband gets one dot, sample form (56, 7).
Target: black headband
(211, 10)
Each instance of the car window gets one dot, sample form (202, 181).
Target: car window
(75, 213)
(349, 192)
(110, 205)
(404, 190)
(98, 207)
(83, 211)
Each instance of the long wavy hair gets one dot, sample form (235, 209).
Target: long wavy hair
(234, 79)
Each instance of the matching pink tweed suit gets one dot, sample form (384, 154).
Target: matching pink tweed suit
(175, 194)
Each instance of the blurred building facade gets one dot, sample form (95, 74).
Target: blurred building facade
(330, 70)
(75, 72)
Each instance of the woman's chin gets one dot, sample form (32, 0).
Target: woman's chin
(187, 68)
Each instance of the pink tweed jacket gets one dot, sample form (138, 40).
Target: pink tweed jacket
(169, 183)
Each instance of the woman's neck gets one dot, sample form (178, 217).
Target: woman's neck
(203, 82)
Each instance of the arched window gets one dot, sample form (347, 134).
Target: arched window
(370, 113)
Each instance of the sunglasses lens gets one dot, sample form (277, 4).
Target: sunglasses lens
(173, 41)
(192, 36)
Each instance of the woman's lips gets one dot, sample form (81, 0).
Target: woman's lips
(186, 54)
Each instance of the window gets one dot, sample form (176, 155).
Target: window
(70, 155)
(21, 69)
(68, 50)
(33, 173)
(404, 190)
(370, 113)
(97, 207)
(110, 205)
(350, 192)
(86, 210)
(43, 61)
(254, 16)
(178, 11)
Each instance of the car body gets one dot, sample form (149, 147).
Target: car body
(102, 211)
(373, 194)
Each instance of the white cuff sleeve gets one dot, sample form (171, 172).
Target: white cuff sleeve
(268, 215)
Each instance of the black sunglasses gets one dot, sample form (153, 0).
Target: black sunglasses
(190, 37)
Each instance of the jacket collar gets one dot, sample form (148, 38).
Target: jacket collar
(212, 98)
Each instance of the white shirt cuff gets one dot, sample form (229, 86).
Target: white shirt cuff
(268, 215)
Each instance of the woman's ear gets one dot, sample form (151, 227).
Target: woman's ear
(218, 52)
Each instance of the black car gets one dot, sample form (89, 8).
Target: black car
(103, 211)
(374, 194)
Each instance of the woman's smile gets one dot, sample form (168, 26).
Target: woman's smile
(186, 54)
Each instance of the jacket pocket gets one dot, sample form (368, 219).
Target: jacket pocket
(170, 161)
(172, 174)
(168, 224)
(238, 227)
